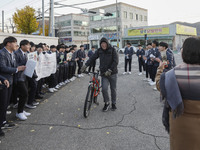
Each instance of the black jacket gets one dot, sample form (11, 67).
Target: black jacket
(7, 68)
(108, 58)
(21, 61)
(80, 55)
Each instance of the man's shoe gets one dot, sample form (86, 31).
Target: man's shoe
(140, 73)
(35, 103)
(26, 113)
(55, 90)
(2, 133)
(113, 107)
(152, 83)
(30, 106)
(39, 97)
(106, 107)
(21, 116)
(129, 72)
(51, 90)
(8, 112)
(124, 73)
(7, 126)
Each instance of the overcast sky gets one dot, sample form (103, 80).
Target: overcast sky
(159, 11)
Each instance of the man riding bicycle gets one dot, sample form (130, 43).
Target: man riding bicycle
(108, 67)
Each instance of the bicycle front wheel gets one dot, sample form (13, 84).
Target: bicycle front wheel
(88, 101)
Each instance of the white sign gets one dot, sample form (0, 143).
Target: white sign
(30, 67)
(46, 65)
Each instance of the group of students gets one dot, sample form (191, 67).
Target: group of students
(149, 59)
(18, 90)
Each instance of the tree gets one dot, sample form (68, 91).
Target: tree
(46, 30)
(25, 20)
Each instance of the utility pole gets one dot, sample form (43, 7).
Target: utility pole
(43, 23)
(2, 21)
(117, 24)
(52, 18)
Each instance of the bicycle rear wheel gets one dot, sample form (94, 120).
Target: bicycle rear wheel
(88, 102)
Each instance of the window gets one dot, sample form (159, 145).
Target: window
(136, 17)
(64, 34)
(125, 26)
(80, 23)
(63, 23)
(79, 33)
(131, 15)
(125, 14)
(145, 18)
(141, 18)
(98, 17)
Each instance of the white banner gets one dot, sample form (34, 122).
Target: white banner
(46, 64)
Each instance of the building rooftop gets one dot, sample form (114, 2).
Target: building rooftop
(120, 3)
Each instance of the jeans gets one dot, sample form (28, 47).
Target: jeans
(112, 80)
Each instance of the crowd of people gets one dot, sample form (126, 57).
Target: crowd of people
(18, 90)
(149, 58)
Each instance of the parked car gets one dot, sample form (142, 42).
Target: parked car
(116, 48)
(121, 50)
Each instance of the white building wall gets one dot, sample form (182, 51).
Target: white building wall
(35, 39)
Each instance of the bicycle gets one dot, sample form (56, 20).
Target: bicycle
(92, 93)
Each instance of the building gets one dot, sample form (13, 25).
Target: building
(173, 34)
(106, 26)
(73, 29)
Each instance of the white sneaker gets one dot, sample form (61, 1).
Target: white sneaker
(144, 73)
(8, 112)
(82, 75)
(68, 81)
(152, 83)
(60, 84)
(79, 75)
(124, 73)
(71, 80)
(129, 72)
(21, 116)
(51, 90)
(63, 83)
(145, 79)
(139, 74)
(149, 80)
(155, 89)
(26, 113)
(55, 89)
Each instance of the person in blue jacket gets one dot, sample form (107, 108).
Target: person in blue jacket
(128, 57)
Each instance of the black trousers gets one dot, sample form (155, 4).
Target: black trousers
(61, 73)
(92, 66)
(39, 86)
(147, 70)
(23, 95)
(80, 64)
(5, 95)
(128, 62)
(14, 94)
(154, 71)
(66, 71)
(52, 80)
(141, 64)
(32, 88)
(74, 68)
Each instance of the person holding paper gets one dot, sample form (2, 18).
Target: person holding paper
(21, 59)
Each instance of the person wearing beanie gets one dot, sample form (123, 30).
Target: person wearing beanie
(108, 68)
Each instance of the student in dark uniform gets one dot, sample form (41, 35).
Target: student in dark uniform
(128, 57)
(93, 64)
(81, 58)
(8, 68)
(140, 54)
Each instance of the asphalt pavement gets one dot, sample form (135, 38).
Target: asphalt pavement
(58, 122)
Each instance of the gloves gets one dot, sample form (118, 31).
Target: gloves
(108, 73)
(83, 68)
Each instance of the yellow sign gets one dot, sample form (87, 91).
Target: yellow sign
(148, 31)
(185, 30)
